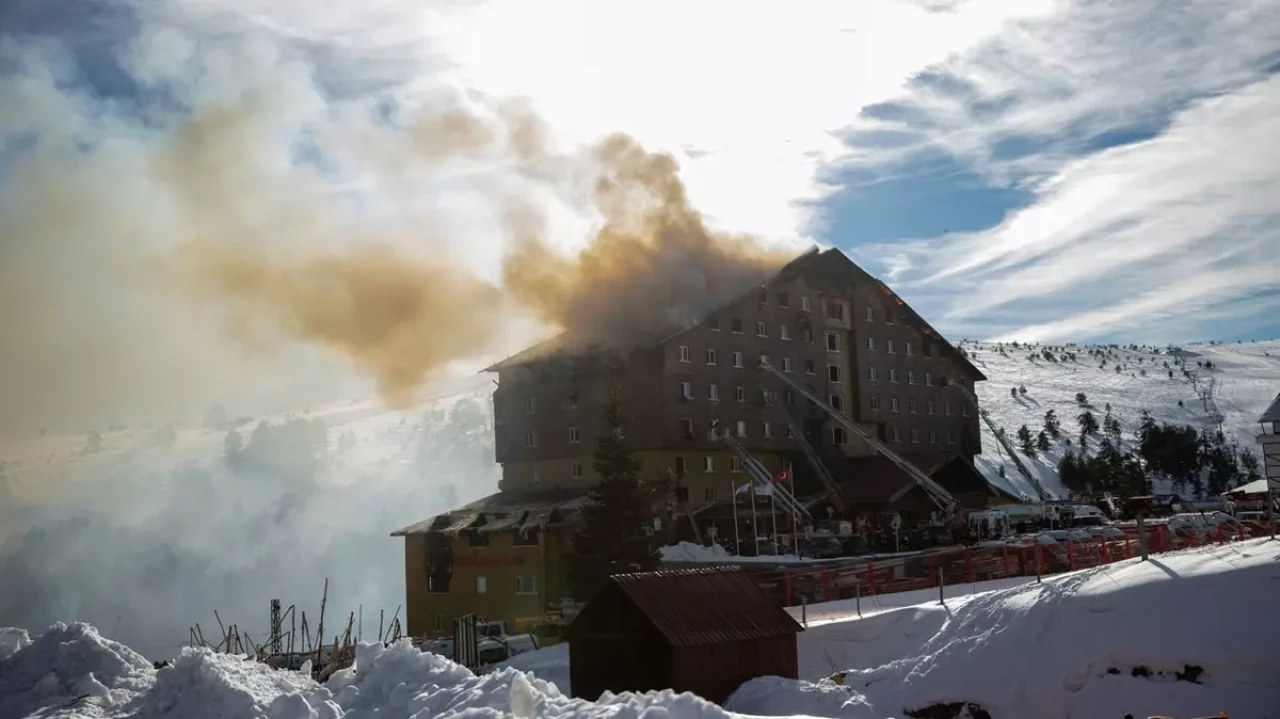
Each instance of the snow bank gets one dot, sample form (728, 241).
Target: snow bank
(72, 671)
(1099, 642)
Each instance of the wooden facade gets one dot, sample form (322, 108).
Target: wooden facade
(704, 631)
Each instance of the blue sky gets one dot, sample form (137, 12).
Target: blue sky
(1100, 173)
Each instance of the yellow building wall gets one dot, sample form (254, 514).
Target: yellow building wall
(500, 563)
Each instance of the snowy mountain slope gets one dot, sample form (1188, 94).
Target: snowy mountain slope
(1245, 378)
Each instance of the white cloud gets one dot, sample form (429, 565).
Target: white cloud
(1147, 232)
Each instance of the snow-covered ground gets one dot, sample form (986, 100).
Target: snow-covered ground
(1101, 642)
(1246, 378)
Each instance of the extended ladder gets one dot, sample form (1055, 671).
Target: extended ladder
(763, 479)
(833, 490)
(936, 492)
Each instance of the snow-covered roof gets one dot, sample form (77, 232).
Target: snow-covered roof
(1258, 486)
(1273, 412)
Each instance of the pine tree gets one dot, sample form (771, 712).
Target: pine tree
(1249, 463)
(1052, 425)
(1082, 399)
(614, 536)
(1026, 441)
(1042, 441)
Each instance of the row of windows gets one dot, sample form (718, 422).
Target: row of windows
(913, 407)
(835, 310)
(840, 436)
(523, 585)
(710, 357)
(740, 429)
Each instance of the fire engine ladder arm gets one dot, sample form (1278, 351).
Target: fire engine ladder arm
(833, 490)
(1017, 461)
(936, 492)
(762, 478)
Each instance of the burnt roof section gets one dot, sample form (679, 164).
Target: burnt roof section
(1273, 412)
(708, 605)
(534, 509)
(831, 270)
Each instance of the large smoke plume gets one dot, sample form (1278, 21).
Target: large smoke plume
(280, 215)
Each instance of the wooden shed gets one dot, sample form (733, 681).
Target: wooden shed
(704, 631)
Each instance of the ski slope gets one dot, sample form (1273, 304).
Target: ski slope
(1246, 377)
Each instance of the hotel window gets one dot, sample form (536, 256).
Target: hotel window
(928, 379)
(871, 343)
(680, 467)
(786, 364)
(893, 404)
(531, 405)
(735, 325)
(784, 332)
(908, 346)
(947, 408)
(834, 374)
(875, 404)
(915, 436)
(737, 359)
(686, 429)
(911, 377)
(735, 465)
(896, 434)
(684, 353)
(709, 494)
(740, 394)
(835, 311)
(809, 367)
(889, 346)
(742, 428)
(871, 373)
(761, 330)
(928, 406)
(571, 402)
(893, 376)
(575, 470)
(482, 585)
(533, 474)
(833, 342)
(708, 464)
(713, 324)
(964, 410)
(686, 390)
(526, 585)
(837, 402)
(933, 436)
(531, 439)
(839, 436)
(783, 300)
(713, 392)
(767, 428)
(804, 305)
(911, 406)
(951, 439)
(870, 315)
(711, 357)
(574, 436)
(807, 334)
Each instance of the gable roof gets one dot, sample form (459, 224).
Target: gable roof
(809, 262)
(1273, 412)
(705, 606)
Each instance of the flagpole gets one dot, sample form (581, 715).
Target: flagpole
(755, 528)
(733, 497)
(773, 513)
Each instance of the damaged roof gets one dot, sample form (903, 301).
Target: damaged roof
(843, 272)
(505, 511)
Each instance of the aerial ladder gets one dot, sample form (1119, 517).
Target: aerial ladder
(763, 479)
(829, 482)
(972, 399)
(936, 492)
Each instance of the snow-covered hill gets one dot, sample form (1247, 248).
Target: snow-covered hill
(1243, 380)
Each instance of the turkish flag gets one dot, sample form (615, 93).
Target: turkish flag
(781, 477)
